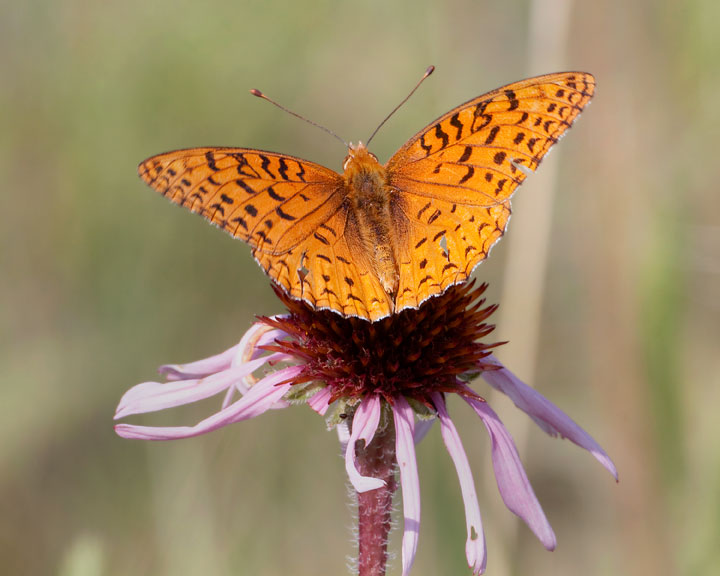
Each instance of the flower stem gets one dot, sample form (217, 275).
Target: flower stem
(375, 507)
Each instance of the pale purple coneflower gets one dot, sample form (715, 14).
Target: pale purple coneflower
(381, 384)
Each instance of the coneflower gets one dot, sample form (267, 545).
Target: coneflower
(381, 385)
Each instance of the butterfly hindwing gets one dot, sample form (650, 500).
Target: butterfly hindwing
(445, 242)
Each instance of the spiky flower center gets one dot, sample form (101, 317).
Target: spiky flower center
(413, 353)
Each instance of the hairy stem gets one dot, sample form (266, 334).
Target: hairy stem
(375, 507)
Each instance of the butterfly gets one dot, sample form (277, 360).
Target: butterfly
(378, 239)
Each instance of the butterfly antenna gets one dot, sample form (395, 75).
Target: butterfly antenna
(259, 94)
(429, 71)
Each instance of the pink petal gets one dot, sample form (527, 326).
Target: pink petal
(258, 400)
(249, 380)
(545, 414)
(511, 479)
(153, 396)
(364, 424)
(200, 368)
(475, 544)
(258, 334)
(405, 454)
(319, 400)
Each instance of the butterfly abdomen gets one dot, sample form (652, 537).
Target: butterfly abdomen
(370, 203)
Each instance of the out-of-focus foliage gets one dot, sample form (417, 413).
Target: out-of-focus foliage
(101, 280)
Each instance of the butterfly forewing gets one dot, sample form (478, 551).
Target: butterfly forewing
(454, 179)
(271, 201)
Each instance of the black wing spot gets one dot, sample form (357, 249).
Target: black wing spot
(323, 257)
(244, 186)
(274, 195)
(424, 280)
(480, 108)
(282, 170)
(486, 119)
(225, 198)
(466, 154)
(499, 158)
(435, 215)
(420, 243)
(343, 260)
(349, 281)
(442, 135)
(425, 146)
(455, 121)
(261, 234)
(250, 209)
(284, 215)
(329, 229)
(423, 263)
(519, 138)
(492, 135)
(264, 165)
(423, 210)
(322, 238)
(210, 158)
(470, 173)
(240, 222)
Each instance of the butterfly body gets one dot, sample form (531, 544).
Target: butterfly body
(377, 239)
(371, 216)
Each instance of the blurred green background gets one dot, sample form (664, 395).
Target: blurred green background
(608, 281)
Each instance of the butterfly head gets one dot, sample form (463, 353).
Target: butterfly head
(358, 154)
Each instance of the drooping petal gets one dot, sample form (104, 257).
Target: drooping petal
(545, 414)
(153, 396)
(258, 334)
(319, 400)
(258, 400)
(512, 481)
(200, 368)
(409, 482)
(475, 549)
(364, 424)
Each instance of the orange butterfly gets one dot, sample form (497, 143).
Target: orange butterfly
(378, 239)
